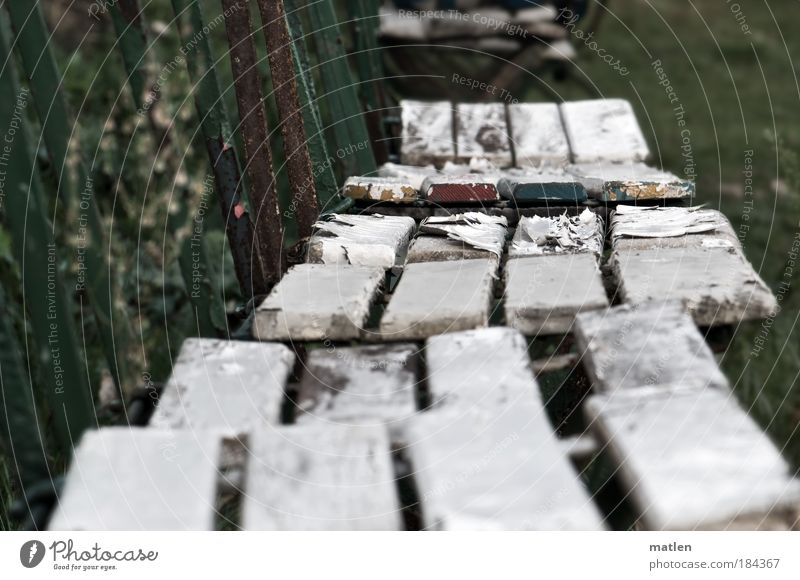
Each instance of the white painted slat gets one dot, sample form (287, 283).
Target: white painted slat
(473, 229)
(648, 345)
(361, 240)
(141, 479)
(373, 384)
(488, 369)
(653, 227)
(694, 459)
(230, 386)
(321, 477)
(543, 294)
(717, 284)
(481, 131)
(538, 135)
(603, 130)
(504, 470)
(318, 302)
(436, 297)
(480, 21)
(630, 181)
(427, 132)
(544, 236)
(442, 249)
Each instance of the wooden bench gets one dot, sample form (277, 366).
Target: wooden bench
(390, 385)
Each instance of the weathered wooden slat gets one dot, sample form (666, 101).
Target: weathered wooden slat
(321, 477)
(481, 21)
(361, 385)
(527, 186)
(694, 460)
(318, 302)
(427, 132)
(381, 189)
(482, 131)
(141, 479)
(442, 249)
(232, 387)
(630, 182)
(488, 368)
(538, 135)
(603, 130)
(436, 297)
(460, 188)
(717, 285)
(361, 240)
(648, 345)
(459, 237)
(564, 234)
(653, 227)
(498, 470)
(543, 294)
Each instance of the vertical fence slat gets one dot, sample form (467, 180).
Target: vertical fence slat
(350, 128)
(327, 187)
(74, 181)
(19, 426)
(370, 72)
(225, 164)
(257, 153)
(127, 18)
(298, 161)
(56, 350)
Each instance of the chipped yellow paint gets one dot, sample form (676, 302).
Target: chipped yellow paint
(356, 191)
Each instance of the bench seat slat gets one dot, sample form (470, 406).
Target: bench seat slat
(141, 479)
(362, 385)
(543, 294)
(693, 459)
(649, 345)
(538, 135)
(603, 130)
(321, 477)
(436, 297)
(318, 302)
(232, 386)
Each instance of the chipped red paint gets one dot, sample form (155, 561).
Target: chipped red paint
(459, 189)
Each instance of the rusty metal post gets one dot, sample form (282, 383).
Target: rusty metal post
(298, 161)
(257, 153)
